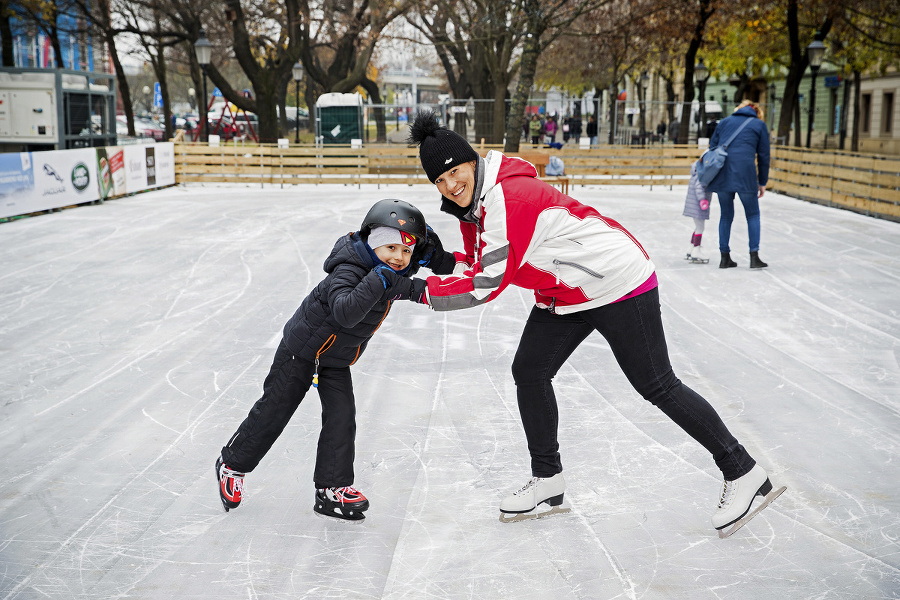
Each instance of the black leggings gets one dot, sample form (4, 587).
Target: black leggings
(633, 329)
(285, 387)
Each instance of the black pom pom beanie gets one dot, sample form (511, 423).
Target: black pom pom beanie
(440, 149)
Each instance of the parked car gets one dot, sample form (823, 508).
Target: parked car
(245, 122)
(142, 128)
(222, 126)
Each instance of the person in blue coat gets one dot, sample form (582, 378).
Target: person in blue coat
(745, 173)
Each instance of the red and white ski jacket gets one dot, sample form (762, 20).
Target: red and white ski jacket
(530, 235)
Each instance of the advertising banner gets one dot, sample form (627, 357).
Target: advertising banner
(35, 181)
(135, 168)
(165, 163)
(111, 171)
(65, 177)
(16, 182)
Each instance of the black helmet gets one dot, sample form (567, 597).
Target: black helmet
(398, 214)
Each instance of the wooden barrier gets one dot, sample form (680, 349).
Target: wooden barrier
(864, 183)
(869, 184)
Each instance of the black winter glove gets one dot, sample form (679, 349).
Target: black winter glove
(434, 257)
(398, 287)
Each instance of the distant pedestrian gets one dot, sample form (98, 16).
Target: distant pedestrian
(550, 130)
(592, 130)
(534, 129)
(745, 173)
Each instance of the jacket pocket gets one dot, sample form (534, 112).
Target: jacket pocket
(557, 263)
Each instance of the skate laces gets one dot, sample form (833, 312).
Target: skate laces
(531, 483)
(236, 477)
(727, 494)
(346, 494)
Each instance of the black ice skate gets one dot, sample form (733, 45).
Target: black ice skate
(231, 485)
(341, 503)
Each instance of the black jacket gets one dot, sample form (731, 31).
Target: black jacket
(337, 318)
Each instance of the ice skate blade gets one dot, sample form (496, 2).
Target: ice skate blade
(698, 261)
(337, 513)
(516, 517)
(729, 530)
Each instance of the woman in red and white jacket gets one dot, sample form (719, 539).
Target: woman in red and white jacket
(588, 273)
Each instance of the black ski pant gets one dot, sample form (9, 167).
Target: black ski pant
(633, 328)
(284, 388)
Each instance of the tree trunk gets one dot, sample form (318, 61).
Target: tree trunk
(845, 103)
(689, 59)
(854, 139)
(6, 35)
(371, 88)
(531, 51)
(121, 79)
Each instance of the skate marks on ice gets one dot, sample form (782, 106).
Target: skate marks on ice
(639, 522)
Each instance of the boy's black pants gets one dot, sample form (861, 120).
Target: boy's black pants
(284, 388)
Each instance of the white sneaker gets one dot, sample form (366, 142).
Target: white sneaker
(698, 255)
(539, 489)
(738, 495)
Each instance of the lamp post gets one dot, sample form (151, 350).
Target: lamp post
(204, 53)
(645, 83)
(770, 100)
(192, 98)
(297, 73)
(815, 52)
(701, 74)
(146, 91)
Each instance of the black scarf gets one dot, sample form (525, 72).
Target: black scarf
(466, 213)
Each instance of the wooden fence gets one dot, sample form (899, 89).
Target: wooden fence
(863, 183)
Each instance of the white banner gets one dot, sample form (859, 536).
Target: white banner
(58, 177)
(36, 181)
(165, 163)
(135, 168)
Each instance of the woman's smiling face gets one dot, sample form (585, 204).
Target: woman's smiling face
(457, 184)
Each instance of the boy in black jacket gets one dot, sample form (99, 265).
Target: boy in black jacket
(367, 271)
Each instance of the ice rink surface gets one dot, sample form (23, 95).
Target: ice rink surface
(135, 336)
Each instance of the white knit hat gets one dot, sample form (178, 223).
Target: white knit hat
(381, 236)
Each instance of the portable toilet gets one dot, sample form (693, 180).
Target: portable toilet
(340, 118)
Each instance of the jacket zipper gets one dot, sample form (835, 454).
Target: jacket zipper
(558, 262)
(322, 349)
(331, 339)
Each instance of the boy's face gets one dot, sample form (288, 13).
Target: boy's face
(396, 256)
(458, 183)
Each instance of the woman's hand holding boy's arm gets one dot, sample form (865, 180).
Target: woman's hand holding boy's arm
(398, 287)
(435, 257)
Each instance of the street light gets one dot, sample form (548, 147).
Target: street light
(297, 73)
(204, 53)
(192, 97)
(815, 52)
(146, 91)
(701, 73)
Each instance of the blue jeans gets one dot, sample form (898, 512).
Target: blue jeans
(751, 210)
(633, 328)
